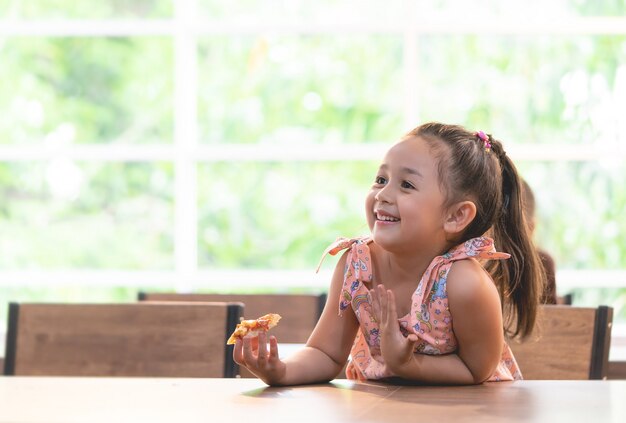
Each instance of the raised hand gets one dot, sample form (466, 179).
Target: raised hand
(396, 349)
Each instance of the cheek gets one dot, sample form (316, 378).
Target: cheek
(369, 208)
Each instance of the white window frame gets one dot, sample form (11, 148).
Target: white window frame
(186, 153)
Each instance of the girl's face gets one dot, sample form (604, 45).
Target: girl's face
(405, 204)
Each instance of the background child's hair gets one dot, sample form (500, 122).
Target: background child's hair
(487, 176)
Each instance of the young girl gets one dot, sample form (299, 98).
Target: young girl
(414, 299)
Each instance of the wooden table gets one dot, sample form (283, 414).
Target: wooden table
(55, 399)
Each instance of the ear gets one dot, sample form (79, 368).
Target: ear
(459, 216)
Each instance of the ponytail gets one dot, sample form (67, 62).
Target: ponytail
(522, 277)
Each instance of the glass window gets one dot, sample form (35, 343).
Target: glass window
(62, 214)
(528, 11)
(306, 90)
(67, 91)
(278, 215)
(101, 9)
(516, 87)
(579, 211)
(298, 12)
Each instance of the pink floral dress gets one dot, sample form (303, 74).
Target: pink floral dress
(429, 318)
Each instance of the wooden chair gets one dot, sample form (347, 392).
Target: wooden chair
(567, 343)
(300, 312)
(138, 339)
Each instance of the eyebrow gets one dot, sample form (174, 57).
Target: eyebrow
(405, 169)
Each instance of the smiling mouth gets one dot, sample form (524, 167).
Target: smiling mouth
(386, 218)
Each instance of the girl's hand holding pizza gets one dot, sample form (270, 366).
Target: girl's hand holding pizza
(251, 350)
(253, 353)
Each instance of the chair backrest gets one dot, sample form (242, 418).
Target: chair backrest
(567, 343)
(138, 339)
(299, 312)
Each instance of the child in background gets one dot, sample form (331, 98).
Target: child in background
(412, 300)
(528, 203)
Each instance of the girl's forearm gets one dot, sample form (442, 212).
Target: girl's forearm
(446, 369)
(309, 365)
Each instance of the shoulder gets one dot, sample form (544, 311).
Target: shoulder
(469, 283)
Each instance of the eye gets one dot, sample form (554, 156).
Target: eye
(407, 185)
(380, 180)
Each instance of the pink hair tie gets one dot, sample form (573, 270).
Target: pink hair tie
(485, 139)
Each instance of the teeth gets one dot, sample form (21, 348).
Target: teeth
(387, 218)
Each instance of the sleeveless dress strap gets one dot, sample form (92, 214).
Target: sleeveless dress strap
(340, 244)
(482, 247)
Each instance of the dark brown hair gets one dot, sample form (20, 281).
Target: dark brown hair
(528, 204)
(468, 170)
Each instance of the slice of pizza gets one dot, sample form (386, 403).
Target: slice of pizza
(253, 327)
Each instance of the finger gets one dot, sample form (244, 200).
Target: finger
(254, 343)
(392, 314)
(373, 296)
(262, 349)
(382, 295)
(238, 352)
(412, 340)
(375, 304)
(248, 356)
(273, 348)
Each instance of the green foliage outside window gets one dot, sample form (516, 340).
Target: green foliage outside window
(105, 9)
(87, 216)
(86, 90)
(305, 90)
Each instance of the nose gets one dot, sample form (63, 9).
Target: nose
(382, 196)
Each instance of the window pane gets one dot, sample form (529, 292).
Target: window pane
(278, 216)
(86, 90)
(318, 89)
(531, 10)
(580, 212)
(527, 89)
(63, 214)
(302, 11)
(613, 297)
(101, 9)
